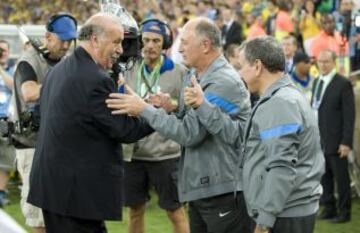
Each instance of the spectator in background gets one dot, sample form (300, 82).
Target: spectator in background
(295, 13)
(284, 25)
(246, 9)
(256, 27)
(203, 9)
(331, 39)
(7, 152)
(218, 20)
(258, 7)
(289, 46)
(7, 70)
(343, 17)
(345, 24)
(269, 17)
(300, 74)
(333, 103)
(211, 11)
(309, 24)
(324, 6)
(355, 49)
(231, 31)
(231, 54)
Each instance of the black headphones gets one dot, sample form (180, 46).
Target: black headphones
(49, 25)
(168, 35)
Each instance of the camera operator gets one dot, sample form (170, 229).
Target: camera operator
(6, 151)
(155, 159)
(30, 74)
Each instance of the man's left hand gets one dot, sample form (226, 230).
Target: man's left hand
(343, 150)
(129, 103)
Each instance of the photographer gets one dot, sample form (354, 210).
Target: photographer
(30, 74)
(6, 152)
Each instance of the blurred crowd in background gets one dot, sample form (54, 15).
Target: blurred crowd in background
(300, 18)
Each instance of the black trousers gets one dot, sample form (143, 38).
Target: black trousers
(220, 214)
(294, 225)
(55, 223)
(336, 169)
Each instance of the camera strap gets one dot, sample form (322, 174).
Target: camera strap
(17, 101)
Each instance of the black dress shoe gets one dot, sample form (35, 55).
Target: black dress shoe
(341, 219)
(327, 215)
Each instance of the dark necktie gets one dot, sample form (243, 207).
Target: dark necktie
(319, 90)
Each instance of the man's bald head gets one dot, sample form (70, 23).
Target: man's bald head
(99, 24)
(205, 28)
(102, 36)
(200, 43)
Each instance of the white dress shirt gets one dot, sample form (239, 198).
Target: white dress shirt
(326, 81)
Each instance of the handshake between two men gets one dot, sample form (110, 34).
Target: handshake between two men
(132, 104)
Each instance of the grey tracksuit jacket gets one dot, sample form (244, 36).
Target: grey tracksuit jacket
(281, 160)
(207, 164)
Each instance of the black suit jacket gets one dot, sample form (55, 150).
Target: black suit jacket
(77, 169)
(233, 35)
(336, 114)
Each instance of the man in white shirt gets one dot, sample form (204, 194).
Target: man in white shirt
(333, 101)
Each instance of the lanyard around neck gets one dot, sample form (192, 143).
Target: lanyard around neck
(150, 80)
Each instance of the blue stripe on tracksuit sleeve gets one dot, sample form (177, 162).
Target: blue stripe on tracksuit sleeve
(279, 131)
(225, 105)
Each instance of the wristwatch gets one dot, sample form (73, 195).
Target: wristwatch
(263, 228)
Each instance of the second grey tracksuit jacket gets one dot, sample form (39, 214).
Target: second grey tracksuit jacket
(282, 160)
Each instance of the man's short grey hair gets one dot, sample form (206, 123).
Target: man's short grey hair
(267, 50)
(90, 29)
(208, 29)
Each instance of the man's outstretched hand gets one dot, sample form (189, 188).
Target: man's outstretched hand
(129, 103)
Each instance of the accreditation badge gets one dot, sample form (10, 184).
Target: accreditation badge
(316, 104)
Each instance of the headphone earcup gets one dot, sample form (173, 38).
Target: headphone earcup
(49, 27)
(141, 44)
(168, 39)
(167, 42)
